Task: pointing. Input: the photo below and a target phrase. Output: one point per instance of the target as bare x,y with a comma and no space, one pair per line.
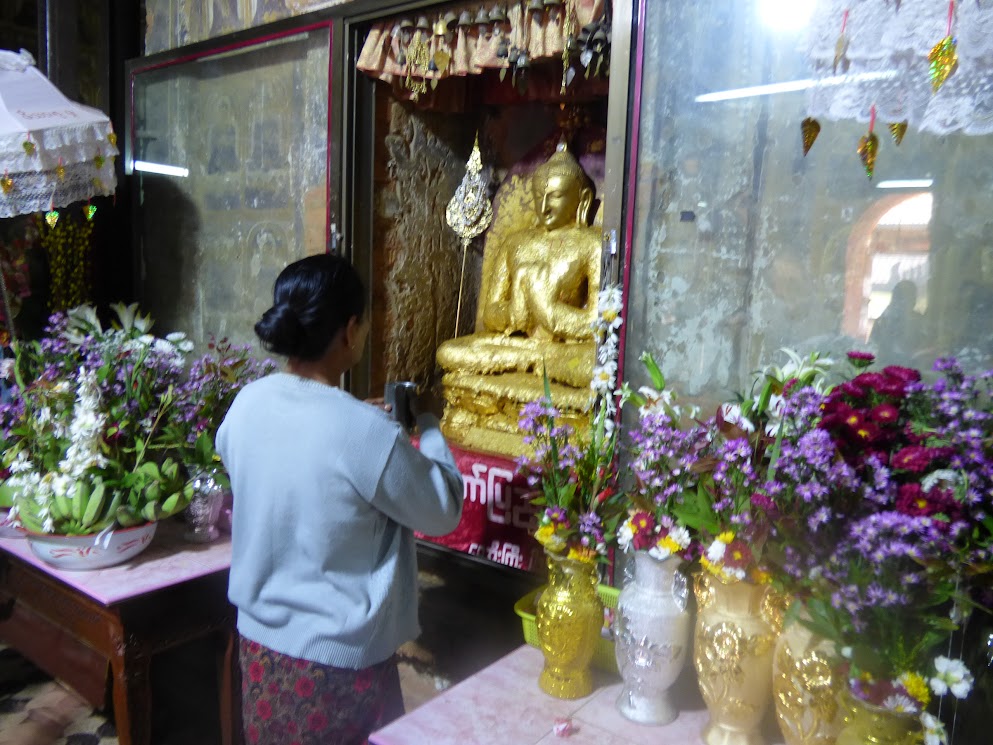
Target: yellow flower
760,576
582,553
670,544
917,687
544,533
711,567
726,537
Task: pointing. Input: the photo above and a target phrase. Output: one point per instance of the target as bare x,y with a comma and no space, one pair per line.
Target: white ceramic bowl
91,551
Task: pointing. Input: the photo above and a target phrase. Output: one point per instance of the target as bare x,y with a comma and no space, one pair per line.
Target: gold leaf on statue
809,128
898,130
943,61
868,147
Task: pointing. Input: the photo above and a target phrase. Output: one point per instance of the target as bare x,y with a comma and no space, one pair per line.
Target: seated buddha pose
537,304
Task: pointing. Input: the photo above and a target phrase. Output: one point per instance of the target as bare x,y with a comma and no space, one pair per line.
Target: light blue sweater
327,491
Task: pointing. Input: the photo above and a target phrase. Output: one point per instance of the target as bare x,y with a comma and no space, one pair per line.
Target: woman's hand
379,403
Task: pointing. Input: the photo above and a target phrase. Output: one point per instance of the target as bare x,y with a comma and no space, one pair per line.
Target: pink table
502,705
77,625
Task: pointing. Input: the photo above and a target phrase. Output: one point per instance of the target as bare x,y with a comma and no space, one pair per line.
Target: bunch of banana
85,508
154,492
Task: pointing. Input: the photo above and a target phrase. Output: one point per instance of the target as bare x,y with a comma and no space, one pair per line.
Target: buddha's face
557,204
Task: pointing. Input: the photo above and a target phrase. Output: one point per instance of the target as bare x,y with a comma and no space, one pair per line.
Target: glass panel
243,136
743,245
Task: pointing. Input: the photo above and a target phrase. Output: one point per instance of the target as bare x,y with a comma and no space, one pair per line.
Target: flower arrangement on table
91,439
203,400
576,477
697,482
883,495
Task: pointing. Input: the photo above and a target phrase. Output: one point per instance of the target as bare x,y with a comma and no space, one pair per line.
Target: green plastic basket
603,655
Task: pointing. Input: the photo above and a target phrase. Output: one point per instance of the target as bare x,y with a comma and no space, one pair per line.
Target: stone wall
742,245
174,23
252,130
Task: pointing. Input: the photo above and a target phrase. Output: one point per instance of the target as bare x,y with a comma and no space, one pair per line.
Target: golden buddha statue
537,303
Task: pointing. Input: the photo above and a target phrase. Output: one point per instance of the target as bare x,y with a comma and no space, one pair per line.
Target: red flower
253,733
254,647
644,530
903,374
304,687
914,459
866,432
256,672
912,501
737,555
852,389
605,495
363,680
885,414
317,722
263,709
870,380
861,359
764,503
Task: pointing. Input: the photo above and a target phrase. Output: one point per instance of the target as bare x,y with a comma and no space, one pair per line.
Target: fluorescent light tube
142,165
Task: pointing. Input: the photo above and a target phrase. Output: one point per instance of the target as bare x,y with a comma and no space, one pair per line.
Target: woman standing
327,493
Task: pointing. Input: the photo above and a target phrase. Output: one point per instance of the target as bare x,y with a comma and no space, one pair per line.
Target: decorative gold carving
541,274
806,693
568,618
733,659
874,725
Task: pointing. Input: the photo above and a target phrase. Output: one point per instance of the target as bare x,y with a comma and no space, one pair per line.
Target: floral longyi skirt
287,701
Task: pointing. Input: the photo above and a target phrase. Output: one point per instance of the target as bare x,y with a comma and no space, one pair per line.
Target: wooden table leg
229,678
132,695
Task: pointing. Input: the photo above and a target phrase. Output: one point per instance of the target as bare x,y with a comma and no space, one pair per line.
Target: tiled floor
467,619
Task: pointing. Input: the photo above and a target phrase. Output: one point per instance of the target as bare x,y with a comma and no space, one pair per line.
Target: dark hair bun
280,330
313,300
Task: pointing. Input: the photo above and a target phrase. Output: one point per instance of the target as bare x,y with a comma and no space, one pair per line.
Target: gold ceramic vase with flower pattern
806,687
569,616
868,724
736,631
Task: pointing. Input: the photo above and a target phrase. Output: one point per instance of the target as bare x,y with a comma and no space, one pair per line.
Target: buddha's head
562,191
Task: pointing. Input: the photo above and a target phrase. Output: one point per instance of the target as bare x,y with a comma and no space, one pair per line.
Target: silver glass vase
204,508
652,639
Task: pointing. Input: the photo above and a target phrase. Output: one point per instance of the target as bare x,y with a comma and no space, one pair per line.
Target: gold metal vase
806,687
568,617
868,724
736,631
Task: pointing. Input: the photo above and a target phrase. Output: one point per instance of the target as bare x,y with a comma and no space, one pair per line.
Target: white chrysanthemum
625,534
949,477
681,536
715,551
952,675
934,730
611,297
660,552
899,702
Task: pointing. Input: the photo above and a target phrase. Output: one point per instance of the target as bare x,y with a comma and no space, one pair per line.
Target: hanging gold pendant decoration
29,147
7,184
841,47
60,171
869,145
52,217
943,61
112,138
90,211
898,130
943,58
469,212
809,129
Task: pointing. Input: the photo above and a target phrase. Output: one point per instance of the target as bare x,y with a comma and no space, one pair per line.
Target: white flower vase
204,509
652,638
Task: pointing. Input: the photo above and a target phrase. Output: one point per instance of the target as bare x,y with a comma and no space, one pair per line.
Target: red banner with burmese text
497,519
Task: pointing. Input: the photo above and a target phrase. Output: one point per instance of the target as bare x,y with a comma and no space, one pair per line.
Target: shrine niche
521,83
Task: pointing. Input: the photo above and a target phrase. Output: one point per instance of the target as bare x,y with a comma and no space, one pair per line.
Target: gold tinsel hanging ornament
469,213
943,59
869,145
898,130
809,129
841,47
